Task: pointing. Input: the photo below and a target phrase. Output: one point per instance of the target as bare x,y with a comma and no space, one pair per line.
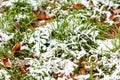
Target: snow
47,62
5,36
4,75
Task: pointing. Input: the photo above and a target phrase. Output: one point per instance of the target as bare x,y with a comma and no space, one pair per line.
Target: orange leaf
112,17
41,15
6,62
78,6
16,47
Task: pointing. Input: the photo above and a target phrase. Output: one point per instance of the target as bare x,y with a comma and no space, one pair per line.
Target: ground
59,40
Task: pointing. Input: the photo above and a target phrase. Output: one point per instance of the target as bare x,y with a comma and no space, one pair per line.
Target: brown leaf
41,15
78,6
116,11
97,62
91,5
74,75
16,47
53,6
82,71
23,70
33,27
6,62
11,78
55,75
112,17
17,25
112,32
61,75
50,16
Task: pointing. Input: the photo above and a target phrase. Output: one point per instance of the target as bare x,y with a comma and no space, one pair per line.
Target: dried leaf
23,70
112,17
82,71
11,78
61,75
41,15
116,11
74,75
17,25
97,62
91,5
6,62
50,16
16,47
55,75
78,6
53,6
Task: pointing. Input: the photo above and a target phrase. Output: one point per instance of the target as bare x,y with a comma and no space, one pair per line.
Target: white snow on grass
4,75
5,36
47,49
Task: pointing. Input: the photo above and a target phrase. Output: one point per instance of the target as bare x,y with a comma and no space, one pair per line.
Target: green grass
71,27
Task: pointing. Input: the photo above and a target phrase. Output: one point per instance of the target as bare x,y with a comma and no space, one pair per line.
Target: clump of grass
12,13
62,31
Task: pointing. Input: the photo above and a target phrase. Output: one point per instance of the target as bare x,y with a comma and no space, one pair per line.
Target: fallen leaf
23,70
91,5
11,78
50,16
74,75
6,62
55,75
17,25
82,71
78,6
61,75
112,17
97,62
16,47
53,6
41,15
116,11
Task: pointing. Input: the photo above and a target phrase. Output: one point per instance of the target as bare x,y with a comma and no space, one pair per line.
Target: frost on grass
4,75
44,68
56,51
5,36
69,37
